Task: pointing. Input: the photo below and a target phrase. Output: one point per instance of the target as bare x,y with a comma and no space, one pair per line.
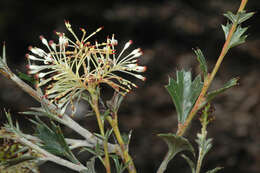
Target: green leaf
243,16
211,95
27,78
237,37
204,144
53,139
120,167
239,17
175,144
184,93
202,61
190,162
214,170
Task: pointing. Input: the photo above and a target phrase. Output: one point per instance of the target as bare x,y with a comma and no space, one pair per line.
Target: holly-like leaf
239,17
184,93
53,139
202,61
175,144
214,170
204,144
238,37
231,83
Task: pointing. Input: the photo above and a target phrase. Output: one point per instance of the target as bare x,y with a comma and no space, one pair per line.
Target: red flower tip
66,21
27,66
131,41
145,68
41,37
36,76
30,48
144,79
26,56
51,42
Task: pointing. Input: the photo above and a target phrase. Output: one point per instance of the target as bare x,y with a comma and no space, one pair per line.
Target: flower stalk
126,157
94,105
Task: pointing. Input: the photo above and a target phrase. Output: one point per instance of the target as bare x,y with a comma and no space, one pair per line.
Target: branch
65,119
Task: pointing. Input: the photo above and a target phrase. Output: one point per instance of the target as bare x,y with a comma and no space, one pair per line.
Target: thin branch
65,119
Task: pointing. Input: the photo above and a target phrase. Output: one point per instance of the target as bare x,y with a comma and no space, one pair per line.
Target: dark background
166,31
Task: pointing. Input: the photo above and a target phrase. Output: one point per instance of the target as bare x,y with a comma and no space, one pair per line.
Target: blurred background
166,31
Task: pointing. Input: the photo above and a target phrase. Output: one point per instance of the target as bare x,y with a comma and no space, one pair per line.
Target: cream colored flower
72,66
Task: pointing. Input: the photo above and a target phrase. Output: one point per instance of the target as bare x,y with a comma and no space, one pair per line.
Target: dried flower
73,66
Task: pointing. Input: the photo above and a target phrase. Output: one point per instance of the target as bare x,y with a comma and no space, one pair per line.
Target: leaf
27,78
114,103
231,83
237,37
202,61
239,17
214,170
243,16
184,93
190,162
53,139
120,167
204,144
175,144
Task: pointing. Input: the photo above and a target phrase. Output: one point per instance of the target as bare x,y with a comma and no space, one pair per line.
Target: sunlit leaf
184,93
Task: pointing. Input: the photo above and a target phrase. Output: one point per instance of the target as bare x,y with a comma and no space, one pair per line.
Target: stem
102,131
65,119
50,157
204,134
183,127
126,157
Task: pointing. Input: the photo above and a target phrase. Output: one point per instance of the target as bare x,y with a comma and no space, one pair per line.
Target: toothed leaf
184,93
231,83
53,139
202,61
175,144
238,37
239,17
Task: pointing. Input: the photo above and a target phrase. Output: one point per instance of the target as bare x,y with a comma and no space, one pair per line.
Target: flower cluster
72,66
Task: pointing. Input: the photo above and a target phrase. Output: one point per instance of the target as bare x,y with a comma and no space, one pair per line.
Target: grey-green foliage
238,37
211,95
202,61
184,92
175,144
53,139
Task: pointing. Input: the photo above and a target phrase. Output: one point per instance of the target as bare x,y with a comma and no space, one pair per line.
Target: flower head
72,66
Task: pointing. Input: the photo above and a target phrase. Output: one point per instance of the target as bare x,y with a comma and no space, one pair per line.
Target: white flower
75,65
